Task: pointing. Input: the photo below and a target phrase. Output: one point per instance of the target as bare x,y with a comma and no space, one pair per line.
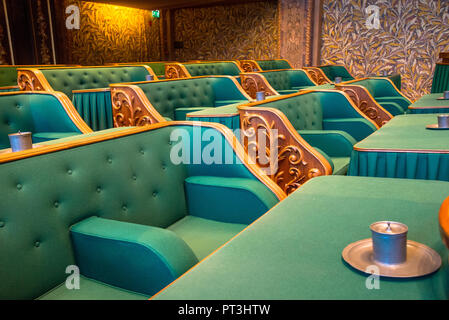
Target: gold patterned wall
109,34
412,33
224,32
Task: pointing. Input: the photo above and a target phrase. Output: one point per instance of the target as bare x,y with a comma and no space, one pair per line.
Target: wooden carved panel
445,57
249,65
317,75
175,71
253,83
366,103
270,144
128,109
28,81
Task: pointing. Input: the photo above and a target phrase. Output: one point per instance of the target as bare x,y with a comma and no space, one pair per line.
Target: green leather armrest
230,200
392,107
334,143
401,101
135,257
358,128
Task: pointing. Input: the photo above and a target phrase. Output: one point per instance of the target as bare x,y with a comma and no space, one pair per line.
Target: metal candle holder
149,77
20,141
389,242
338,80
446,95
443,121
260,95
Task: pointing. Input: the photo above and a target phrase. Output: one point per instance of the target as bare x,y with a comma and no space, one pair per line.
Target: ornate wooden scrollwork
288,161
28,81
128,110
175,71
366,104
249,65
253,83
317,75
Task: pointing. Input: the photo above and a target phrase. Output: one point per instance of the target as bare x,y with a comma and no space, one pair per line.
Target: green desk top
407,132
430,101
294,251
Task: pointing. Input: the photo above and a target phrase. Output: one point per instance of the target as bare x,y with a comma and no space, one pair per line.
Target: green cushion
335,143
181,113
273,64
333,71
441,78
68,79
341,165
136,257
204,235
213,69
285,92
91,290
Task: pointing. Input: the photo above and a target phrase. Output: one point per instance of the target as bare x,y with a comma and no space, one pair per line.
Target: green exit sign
156,14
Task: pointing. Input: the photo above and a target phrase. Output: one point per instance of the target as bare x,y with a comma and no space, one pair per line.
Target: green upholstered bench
207,68
323,125
123,209
430,103
277,82
158,101
158,67
46,115
294,251
385,93
264,65
87,87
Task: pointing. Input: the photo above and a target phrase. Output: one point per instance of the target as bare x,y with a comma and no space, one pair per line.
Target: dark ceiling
165,4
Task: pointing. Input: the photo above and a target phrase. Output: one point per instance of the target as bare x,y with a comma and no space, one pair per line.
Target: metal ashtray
443,123
392,253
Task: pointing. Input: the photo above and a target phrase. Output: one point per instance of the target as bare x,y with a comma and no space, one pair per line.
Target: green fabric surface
358,128
9,89
246,201
8,76
212,69
48,136
91,290
440,78
135,257
294,251
131,179
341,165
82,136
404,133
266,65
334,143
283,81
68,79
33,112
428,101
181,113
95,108
204,235
167,96
397,80
333,71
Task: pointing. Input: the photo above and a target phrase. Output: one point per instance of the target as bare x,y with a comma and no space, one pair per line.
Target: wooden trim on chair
294,161
256,82
32,79
444,222
249,65
130,107
365,102
9,87
445,57
378,78
176,71
317,75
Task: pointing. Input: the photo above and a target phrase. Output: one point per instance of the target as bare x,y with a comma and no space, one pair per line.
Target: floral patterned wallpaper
225,32
110,34
412,33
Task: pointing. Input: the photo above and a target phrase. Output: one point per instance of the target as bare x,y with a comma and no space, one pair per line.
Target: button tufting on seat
37,244
56,204
142,151
2,224
124,208
69,172
134,177
154,193
109,160
19,186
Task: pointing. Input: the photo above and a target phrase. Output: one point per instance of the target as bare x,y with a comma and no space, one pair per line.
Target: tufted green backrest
333,71
273,64
35,112
167,96
287,79
213,69
441,78
130,178
378,87
8,76
68,79
305,112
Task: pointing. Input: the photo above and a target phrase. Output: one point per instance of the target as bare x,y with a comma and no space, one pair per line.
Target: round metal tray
421,260
435,127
